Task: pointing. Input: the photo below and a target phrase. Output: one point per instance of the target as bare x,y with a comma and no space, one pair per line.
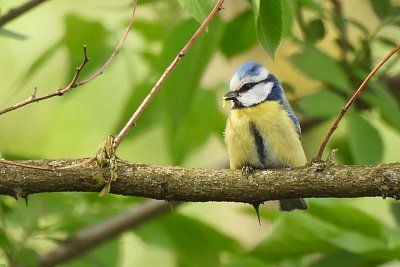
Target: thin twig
46,168
166,73
74,82
351,101
16,12
25,165
115,52
94,235
33,98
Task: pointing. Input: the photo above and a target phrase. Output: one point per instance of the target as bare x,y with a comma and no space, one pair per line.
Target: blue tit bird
262,131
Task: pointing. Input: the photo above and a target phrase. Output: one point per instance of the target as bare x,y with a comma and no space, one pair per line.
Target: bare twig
351,101
200,185
16,12
181,54
94,235
116,50
74,82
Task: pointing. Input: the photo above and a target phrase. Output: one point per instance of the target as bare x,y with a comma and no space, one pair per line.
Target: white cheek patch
255,95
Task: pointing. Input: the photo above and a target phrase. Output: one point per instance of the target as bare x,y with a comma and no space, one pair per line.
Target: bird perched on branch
262,131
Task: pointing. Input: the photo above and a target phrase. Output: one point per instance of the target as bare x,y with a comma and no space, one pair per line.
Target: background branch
94,235
74,82
200,185
16,12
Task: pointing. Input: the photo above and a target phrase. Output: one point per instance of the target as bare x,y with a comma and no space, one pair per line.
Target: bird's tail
293,204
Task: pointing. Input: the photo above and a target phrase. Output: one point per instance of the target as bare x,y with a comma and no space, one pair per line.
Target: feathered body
262,131
264,137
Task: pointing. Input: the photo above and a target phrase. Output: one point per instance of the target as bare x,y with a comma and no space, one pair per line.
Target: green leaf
107,254
387,41
295,235
381,8
79,31
365,142
321,67
327,229
348,218
152,115
25,257
179,90
198,9
150,30
322,104
395,210
385,101
287,17
243,26
194,243
311,4
315,30
269,24
203,118
247,262
343,258
11,34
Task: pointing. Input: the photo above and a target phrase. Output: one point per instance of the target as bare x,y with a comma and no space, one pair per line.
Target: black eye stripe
247,86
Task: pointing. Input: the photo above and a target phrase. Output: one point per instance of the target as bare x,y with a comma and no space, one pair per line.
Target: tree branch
351,101
94,235
124,131
74,82
16,12
201,185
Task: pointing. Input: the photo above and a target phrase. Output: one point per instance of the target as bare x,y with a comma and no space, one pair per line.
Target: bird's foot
247,170
286,166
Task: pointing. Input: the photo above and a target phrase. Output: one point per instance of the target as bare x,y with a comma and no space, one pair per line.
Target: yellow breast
281,141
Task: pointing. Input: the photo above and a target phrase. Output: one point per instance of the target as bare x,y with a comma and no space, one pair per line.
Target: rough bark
201,185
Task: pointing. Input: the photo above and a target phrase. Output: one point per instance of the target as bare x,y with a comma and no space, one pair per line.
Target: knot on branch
389,185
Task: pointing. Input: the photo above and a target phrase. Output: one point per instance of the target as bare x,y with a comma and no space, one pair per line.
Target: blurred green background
326,49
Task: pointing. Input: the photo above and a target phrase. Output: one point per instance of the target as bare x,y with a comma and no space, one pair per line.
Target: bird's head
251,85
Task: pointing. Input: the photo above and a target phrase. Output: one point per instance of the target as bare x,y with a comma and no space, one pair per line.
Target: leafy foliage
188,112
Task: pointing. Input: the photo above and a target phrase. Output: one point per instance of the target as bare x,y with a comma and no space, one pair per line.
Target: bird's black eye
246,87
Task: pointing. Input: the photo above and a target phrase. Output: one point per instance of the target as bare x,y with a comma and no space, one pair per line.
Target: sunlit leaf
365,142
269,24
287,17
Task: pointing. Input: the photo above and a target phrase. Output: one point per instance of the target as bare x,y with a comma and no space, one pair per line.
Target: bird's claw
247,169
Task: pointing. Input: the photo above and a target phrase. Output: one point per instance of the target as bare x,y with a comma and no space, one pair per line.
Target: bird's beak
230,95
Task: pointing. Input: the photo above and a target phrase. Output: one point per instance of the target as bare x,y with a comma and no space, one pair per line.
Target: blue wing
292,116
